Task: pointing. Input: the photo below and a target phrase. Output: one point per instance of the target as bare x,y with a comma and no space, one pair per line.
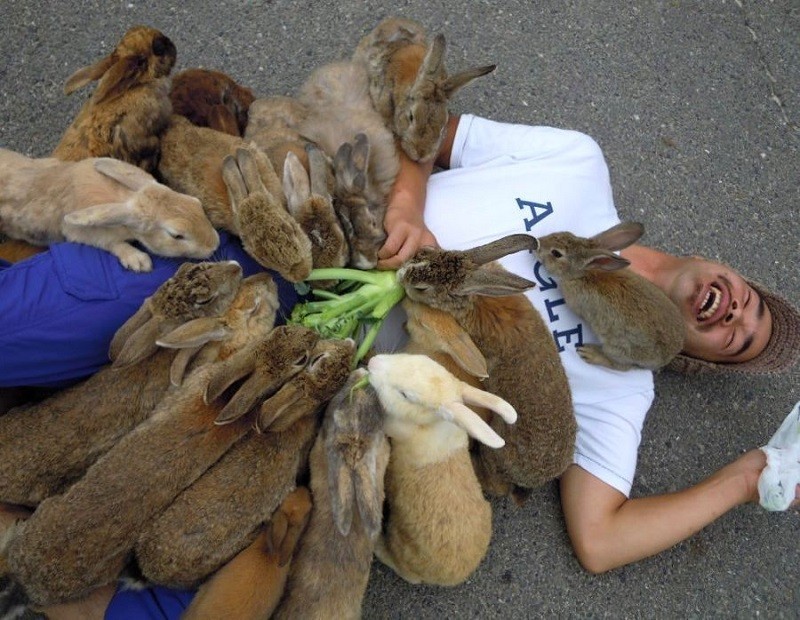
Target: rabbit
240,192
273,126
101,202
15,250
521,357
362,220
128,111
46,446
331,566
202,529
637,324
311,205
409,85
250,585
81,540
339,110
438,524
211,99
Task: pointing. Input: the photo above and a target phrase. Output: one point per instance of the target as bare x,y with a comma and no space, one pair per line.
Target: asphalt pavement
696,105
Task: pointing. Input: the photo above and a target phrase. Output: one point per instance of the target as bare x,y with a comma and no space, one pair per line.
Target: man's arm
608,530
404,222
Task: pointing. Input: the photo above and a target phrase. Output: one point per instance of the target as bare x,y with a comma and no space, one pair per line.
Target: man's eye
731,339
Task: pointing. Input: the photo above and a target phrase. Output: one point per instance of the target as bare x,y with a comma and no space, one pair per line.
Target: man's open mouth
711,303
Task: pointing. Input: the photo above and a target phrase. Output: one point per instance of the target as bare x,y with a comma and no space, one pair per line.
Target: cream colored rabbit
101,202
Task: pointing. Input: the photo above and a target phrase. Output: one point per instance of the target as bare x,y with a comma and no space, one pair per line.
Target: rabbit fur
522,360
409,85
15,250
46,446
240,192
202,529
250,585
273,126
637,324
102,202
438,524
82,539
211,99
128,111
330,569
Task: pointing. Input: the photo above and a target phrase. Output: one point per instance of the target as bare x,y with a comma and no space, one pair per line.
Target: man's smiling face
726,319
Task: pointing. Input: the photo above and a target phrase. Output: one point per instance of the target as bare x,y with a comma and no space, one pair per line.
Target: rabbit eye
556,253
203,302
410,117
302,360
317,359
177,236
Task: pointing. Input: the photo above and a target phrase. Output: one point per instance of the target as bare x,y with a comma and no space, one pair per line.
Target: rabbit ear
295,183
132,177
501,247
360,155
294,530
226,373
271,415
194,333
109,214
481,398
620,236
246,397
140,345
317,170
605,261
180,363
441,329
434,58
493,283
276,531
459,80
83,76
471,422
221,118
366,485
341,486
237,190
140,317
120,77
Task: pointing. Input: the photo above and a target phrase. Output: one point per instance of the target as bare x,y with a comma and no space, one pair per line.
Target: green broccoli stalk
355,308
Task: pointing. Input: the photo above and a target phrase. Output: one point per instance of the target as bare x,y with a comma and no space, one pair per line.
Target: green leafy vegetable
354,308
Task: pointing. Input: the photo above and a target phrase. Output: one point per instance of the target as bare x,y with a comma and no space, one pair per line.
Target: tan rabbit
331,566
46,446
102,202
438,525
240,192
202,529
521,357
273,124
250,585
14,250
130,108
211,99
637,324
311,205
81,540
409,85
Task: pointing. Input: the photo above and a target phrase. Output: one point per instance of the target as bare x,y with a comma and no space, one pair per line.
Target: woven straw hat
780,355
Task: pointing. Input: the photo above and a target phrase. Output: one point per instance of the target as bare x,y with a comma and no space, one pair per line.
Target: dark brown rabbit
128,111
637,324
211,99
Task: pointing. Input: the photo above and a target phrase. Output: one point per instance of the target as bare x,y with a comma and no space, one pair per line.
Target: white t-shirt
507,179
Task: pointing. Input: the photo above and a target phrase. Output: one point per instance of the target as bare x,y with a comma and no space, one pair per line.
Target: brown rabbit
331,566
102,202
47,446
250,585
438,524
409,85
211,99
637,324
14,250
130,108
240,192
202,528
521,357
78,541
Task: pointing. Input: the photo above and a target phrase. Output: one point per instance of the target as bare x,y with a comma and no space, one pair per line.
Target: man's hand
406,232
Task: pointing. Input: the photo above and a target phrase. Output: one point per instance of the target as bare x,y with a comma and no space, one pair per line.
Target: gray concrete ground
696,105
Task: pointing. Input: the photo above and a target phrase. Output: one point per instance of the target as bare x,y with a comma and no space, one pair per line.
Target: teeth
710,303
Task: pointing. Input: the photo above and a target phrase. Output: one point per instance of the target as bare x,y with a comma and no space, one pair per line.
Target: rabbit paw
594,354
131,258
